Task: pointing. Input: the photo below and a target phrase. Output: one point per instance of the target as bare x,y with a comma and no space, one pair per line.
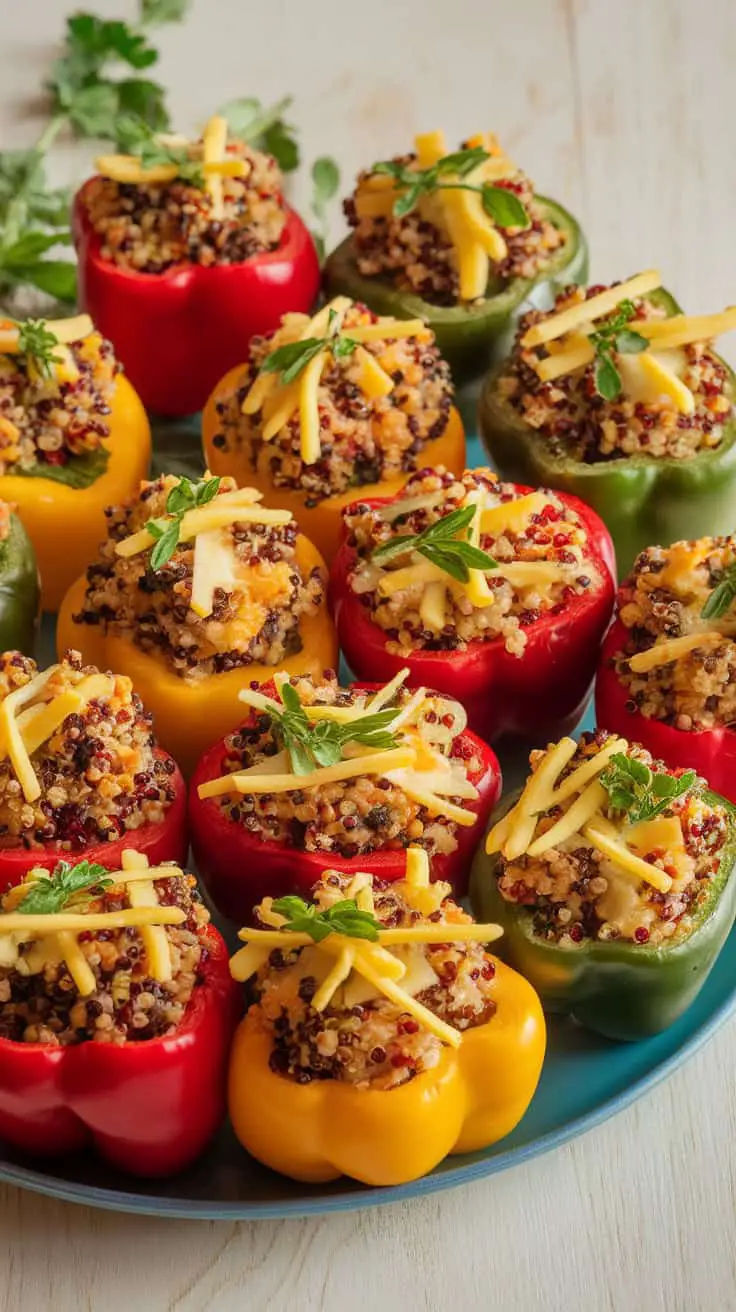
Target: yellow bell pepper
316,1132
66,524
189,717
321,523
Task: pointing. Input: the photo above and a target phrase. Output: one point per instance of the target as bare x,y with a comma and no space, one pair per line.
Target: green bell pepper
20,592
642,499
468,336
622,990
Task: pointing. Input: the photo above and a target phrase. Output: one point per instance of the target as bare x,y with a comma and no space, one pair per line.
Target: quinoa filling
150,227
361,1038
416,253
253,615
363,438
49,417
40,1002
578,892
419,607
662,599
98,772
365,813
571,415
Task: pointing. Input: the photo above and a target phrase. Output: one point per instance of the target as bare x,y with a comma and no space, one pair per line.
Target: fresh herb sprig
135,137
500,204
320,743
640,792
88,95
38,343
438,544
66,884
720,600
612,335
291,359
344,917
185,496
325,176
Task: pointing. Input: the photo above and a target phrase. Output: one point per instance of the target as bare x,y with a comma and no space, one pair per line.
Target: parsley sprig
612,335
720,600
135,137
94,81
185,496
38,343
500,204
290,360
344,917
265,128
438,544
66,884
320,743
640,792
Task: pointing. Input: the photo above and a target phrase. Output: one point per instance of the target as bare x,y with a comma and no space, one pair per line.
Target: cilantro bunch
439,544
66,885
612,335
500,204
344,917
638,791
320,743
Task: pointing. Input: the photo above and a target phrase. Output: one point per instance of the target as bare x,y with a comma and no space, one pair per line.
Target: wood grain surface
623,110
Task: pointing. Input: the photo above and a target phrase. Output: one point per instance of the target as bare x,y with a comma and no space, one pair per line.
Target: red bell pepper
167,840
239,869
712,752
148,1107
179,331
539,695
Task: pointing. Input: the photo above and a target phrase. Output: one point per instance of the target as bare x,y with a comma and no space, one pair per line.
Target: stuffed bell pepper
612,877
347,775
20,590
457,239
74,438
382,1035
80,771
186,251
667,674
488,592
116,1013
328,405
197,590
617,396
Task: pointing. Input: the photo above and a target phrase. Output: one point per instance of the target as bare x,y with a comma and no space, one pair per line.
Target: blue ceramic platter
585,1080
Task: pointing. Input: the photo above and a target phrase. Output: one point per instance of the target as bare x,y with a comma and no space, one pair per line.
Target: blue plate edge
188,1209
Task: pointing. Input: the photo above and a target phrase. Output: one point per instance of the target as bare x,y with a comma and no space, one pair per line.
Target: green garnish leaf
500,204
612,335
320,743
438,543
720,600
640,792
37,343
504,208
344,917
66,884
607,377
325,183
184,496
290,360
135,137
79,472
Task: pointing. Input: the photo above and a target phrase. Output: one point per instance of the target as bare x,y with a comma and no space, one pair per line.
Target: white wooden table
625,111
